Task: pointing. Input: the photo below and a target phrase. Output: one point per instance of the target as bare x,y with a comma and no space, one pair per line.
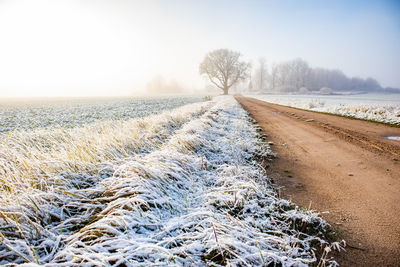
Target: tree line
297,76
224,68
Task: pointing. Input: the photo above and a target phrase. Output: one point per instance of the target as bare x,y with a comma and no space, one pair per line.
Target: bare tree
250,86
158,85
297,76
273,77
300,73
261,75
224,68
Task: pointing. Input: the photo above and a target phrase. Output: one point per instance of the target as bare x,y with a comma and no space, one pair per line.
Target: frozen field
377,107
67,113
181,188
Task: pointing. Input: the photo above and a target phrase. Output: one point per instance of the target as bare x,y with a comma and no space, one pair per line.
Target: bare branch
224,68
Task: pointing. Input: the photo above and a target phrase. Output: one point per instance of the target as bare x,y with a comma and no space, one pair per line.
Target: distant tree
158,85
325,91
155,85
297,76
372,84
273,77
261,75
224,68
300,73
304,90
250,87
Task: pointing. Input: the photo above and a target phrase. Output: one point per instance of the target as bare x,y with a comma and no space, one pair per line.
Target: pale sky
114,47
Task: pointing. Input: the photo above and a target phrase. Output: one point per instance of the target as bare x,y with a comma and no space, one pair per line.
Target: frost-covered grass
40,158
381,108
30,114
183,188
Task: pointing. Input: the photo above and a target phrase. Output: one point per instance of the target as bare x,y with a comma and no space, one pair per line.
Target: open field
342,166
376,107
29,114
183,187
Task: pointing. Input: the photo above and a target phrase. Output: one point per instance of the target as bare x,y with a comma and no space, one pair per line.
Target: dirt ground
340,166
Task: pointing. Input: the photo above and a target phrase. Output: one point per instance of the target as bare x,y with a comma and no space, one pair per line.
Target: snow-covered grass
28,114
382,108
183,188
40,158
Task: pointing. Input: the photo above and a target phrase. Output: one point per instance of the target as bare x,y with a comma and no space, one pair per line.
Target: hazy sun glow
59,48
114,47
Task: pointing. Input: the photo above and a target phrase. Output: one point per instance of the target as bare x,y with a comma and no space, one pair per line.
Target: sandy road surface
342,166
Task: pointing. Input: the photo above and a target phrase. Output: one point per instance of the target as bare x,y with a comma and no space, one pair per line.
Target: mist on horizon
121,48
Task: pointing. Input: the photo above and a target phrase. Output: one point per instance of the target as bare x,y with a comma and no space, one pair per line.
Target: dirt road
343,166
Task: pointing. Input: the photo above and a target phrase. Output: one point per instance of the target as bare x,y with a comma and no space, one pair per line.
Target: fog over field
108,48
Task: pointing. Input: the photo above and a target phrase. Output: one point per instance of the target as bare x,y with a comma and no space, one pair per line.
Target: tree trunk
226,90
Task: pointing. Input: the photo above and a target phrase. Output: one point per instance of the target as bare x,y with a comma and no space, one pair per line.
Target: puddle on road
393,137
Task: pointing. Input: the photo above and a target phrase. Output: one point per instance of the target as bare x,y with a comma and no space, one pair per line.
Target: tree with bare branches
261,75
224,68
